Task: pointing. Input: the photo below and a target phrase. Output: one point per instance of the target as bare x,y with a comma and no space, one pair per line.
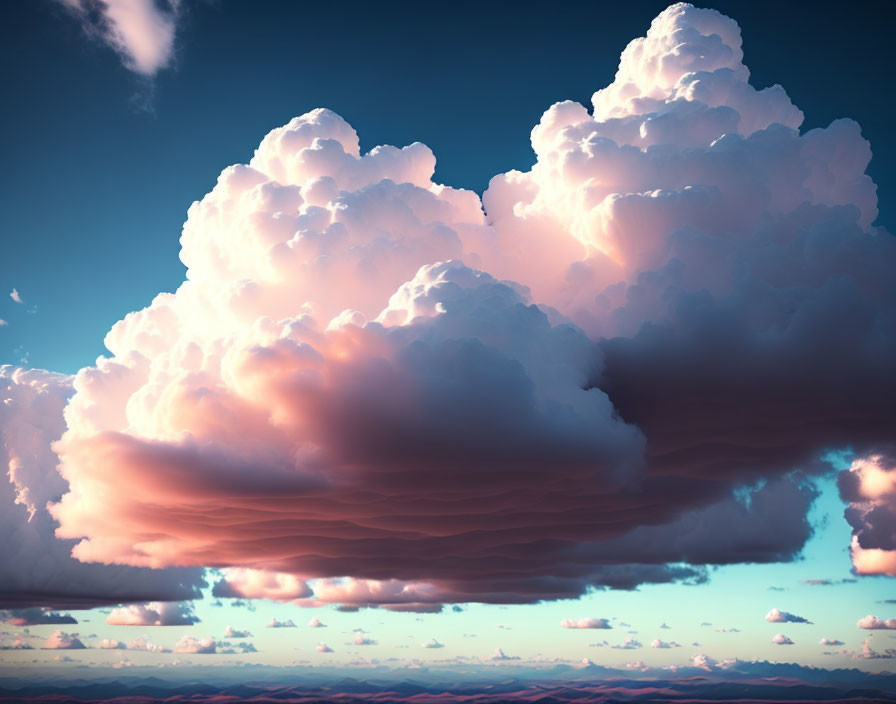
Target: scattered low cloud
189,644
231,632
781,639
585,623
274,623
873,623
58,640
778,616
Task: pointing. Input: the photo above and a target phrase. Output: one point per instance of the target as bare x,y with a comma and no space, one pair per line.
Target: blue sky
102,164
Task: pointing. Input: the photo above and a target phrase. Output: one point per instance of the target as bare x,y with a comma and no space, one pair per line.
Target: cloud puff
433,644
274,623
58,640
144,643
16,296
634,345
31,418
657,643
778,616
323,648
189,644
781,639
585,623
140,31
873,623
34,616
499,654
111,644
869,486
156,613
830,641
315,622
630,643
231,632
361,639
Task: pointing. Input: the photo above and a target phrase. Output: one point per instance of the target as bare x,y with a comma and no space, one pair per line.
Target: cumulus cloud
315,622
778,616
433,644
873,623
499,654
830,641
31,418
189,644
156,613
781,639
17,643
143,643
16,296
657,643
111,644
869,653
140,31
274,623
634,345
869,486
58,640
630,643
361,639
585,623
231,632
34,616
323,648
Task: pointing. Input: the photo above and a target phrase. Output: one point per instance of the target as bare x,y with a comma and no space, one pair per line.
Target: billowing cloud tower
408,396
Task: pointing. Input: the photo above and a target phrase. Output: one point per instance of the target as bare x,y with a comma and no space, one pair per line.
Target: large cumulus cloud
372,391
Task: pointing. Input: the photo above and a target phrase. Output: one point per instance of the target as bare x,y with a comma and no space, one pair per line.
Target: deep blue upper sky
95,189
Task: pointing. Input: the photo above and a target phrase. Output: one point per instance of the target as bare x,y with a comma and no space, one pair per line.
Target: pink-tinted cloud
873,623
189,644
274,623
586,622
31,418
231,632
140,31
153,614
869,486
58,640
781,639
778,616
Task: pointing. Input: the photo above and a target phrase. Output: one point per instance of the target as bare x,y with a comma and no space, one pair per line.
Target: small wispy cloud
140,31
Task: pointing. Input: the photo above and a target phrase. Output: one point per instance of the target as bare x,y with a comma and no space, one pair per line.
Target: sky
608,381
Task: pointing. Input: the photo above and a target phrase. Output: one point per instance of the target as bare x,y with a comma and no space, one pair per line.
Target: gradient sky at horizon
102,165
